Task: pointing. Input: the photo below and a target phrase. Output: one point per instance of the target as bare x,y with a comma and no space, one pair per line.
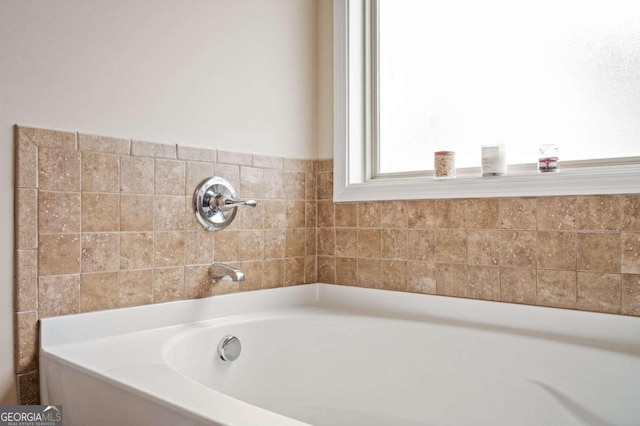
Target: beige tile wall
104,223
579,252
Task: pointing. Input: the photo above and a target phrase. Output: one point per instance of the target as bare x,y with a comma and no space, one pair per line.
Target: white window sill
606,180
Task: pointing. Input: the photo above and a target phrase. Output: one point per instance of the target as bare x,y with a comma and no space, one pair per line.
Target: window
413,77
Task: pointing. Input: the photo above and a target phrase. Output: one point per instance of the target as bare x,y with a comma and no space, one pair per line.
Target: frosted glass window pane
458,74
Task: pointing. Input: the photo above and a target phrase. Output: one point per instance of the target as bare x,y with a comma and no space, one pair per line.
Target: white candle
494,160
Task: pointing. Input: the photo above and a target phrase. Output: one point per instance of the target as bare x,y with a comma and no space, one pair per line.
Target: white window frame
354,130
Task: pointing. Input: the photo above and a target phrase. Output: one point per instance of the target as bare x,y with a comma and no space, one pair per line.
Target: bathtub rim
604,327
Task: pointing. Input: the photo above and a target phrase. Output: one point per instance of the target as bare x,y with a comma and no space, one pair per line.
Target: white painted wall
325,79
238,75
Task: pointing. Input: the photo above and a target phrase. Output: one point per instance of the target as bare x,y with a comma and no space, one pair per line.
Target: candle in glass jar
444,164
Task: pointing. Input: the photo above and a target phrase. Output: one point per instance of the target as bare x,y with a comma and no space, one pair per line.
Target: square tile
518,285
556,213
58,170
169,249
134,214
274,243
251,244
170,177
195,173
98,291
556,250
251,183
226,246
599,212
346,215
168,284
483,282
169,213
557,289
58,212
197,283
451,214
369,273
100,172
59,254
517,213
451,246
421,245
599,252
599,292
483,247
136,250
394,243
135,288
369,243
518,249
58,295
136,175
100,252
483,213
198,247
421,214
100,212
451,280
252,275
368,215
393,275
421,277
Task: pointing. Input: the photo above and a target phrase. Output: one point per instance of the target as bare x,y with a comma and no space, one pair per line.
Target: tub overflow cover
229,348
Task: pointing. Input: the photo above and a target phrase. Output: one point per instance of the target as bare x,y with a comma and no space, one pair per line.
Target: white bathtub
330,355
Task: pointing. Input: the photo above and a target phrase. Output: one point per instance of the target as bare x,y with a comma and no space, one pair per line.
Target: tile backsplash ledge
113,227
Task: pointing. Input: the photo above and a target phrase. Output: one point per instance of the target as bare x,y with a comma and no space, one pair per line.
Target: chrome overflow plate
215,203
229,348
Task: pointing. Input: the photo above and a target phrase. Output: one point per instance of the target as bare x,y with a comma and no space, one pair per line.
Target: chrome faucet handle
215,204
226,203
